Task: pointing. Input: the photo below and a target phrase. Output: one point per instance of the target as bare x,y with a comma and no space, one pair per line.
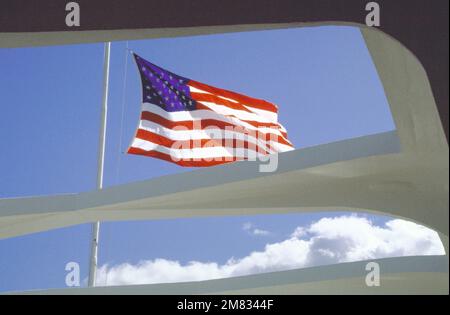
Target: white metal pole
101,160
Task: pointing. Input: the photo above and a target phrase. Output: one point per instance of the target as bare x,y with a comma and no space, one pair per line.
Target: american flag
194,124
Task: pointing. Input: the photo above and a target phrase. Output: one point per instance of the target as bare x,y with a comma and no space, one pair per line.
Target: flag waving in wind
193,124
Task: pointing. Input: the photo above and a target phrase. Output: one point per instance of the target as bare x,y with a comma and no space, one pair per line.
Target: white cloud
260,232
251,229
327,241
299,232
247,226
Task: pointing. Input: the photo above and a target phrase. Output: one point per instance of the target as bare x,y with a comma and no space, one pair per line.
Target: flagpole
100,165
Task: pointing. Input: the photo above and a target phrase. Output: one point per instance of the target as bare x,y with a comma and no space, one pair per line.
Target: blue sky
322,79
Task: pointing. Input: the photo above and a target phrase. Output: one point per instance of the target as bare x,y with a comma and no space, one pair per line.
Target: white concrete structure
405,275
404,173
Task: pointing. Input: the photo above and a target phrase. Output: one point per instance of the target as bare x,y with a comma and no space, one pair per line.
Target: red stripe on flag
202,97
243,99
200,143
209,123
204,124
182,162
